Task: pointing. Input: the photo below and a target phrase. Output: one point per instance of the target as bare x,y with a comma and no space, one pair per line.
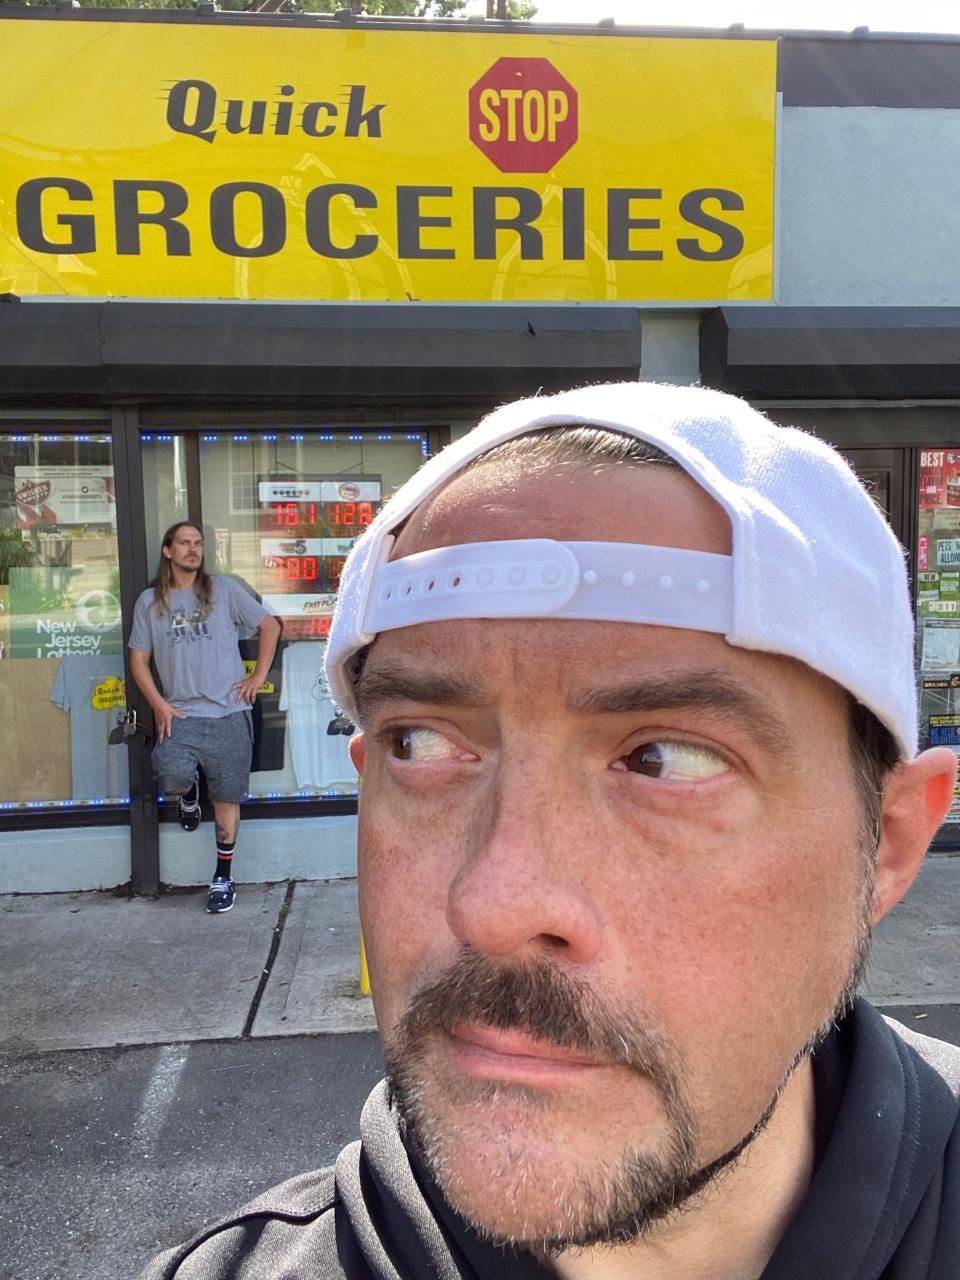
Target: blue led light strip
64,804
293,437
39,438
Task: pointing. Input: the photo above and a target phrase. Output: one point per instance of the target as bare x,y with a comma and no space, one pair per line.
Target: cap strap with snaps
539,578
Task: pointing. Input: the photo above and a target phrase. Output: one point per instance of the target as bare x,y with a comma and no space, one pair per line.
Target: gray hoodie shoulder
288,1232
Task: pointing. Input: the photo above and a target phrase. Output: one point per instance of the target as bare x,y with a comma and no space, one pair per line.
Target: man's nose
523,885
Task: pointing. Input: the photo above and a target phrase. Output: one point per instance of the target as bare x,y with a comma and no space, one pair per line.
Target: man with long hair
187,622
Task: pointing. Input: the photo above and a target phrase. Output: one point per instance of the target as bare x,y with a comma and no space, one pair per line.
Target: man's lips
486,1053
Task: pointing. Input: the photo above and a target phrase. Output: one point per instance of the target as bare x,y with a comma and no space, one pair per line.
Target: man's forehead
642,503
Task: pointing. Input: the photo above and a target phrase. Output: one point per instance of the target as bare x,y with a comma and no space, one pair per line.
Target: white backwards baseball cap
815,572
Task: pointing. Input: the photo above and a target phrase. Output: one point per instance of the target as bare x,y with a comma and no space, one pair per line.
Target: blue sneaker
222,895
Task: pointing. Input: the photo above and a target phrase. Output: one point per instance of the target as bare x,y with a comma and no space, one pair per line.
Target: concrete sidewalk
90,970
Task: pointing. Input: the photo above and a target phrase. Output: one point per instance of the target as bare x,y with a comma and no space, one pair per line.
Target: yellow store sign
189,160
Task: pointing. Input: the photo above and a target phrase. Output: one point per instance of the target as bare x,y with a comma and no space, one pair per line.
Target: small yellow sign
167,160
108,694
250,667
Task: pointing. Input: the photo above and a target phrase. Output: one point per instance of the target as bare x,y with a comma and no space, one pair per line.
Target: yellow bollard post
364,975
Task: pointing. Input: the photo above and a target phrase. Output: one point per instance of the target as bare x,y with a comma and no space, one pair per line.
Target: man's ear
358,752
915,801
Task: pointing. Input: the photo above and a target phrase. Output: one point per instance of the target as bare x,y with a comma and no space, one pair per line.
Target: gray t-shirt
90,689
196,655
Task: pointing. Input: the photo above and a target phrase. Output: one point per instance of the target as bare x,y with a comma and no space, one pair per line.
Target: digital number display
288,515
299,573
296,568
306,628
306,526
317,515
349,515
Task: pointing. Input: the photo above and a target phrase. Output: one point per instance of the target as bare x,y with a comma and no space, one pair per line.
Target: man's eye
420,744
674,761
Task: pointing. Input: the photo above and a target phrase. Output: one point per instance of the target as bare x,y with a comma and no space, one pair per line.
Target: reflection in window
61,656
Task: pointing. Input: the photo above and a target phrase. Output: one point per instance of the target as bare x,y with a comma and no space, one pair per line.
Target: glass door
881,471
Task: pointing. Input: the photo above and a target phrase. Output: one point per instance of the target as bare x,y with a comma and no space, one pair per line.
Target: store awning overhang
876,352
290,351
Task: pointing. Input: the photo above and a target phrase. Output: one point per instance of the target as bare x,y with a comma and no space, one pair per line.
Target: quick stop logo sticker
524,115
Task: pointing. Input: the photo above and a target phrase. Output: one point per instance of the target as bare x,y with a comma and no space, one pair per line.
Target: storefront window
281,510
61,657
938,608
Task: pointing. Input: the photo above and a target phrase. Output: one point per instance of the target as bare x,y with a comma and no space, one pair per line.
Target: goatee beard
616,1204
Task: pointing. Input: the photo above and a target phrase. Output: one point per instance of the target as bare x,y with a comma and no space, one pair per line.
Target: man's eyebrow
399,684
709,692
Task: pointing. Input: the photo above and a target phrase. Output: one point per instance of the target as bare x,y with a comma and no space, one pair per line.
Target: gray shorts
221,747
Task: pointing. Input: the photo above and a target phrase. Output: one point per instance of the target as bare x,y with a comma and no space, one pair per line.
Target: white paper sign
948,552
64,495
940,649
301,606
294,490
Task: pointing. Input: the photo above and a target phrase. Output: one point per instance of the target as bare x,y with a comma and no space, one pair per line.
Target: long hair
163,579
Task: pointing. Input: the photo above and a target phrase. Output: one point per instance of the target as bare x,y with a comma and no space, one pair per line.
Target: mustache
545,1002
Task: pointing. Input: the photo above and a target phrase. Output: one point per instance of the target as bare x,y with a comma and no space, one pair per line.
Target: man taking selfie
633,672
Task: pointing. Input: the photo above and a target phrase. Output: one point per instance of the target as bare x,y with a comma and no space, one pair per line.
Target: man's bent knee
174,786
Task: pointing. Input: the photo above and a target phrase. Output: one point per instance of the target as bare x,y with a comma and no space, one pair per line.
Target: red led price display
297,568
334,515
287,515
306,525
299,573
349,515
306,628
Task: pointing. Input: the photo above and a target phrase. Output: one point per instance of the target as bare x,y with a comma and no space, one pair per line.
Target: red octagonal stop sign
523,115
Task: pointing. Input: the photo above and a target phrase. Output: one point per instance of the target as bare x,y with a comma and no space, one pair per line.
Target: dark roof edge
920,73
774,353
273,351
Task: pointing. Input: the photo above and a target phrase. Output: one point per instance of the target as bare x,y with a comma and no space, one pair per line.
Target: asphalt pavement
110,1155
159,1066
